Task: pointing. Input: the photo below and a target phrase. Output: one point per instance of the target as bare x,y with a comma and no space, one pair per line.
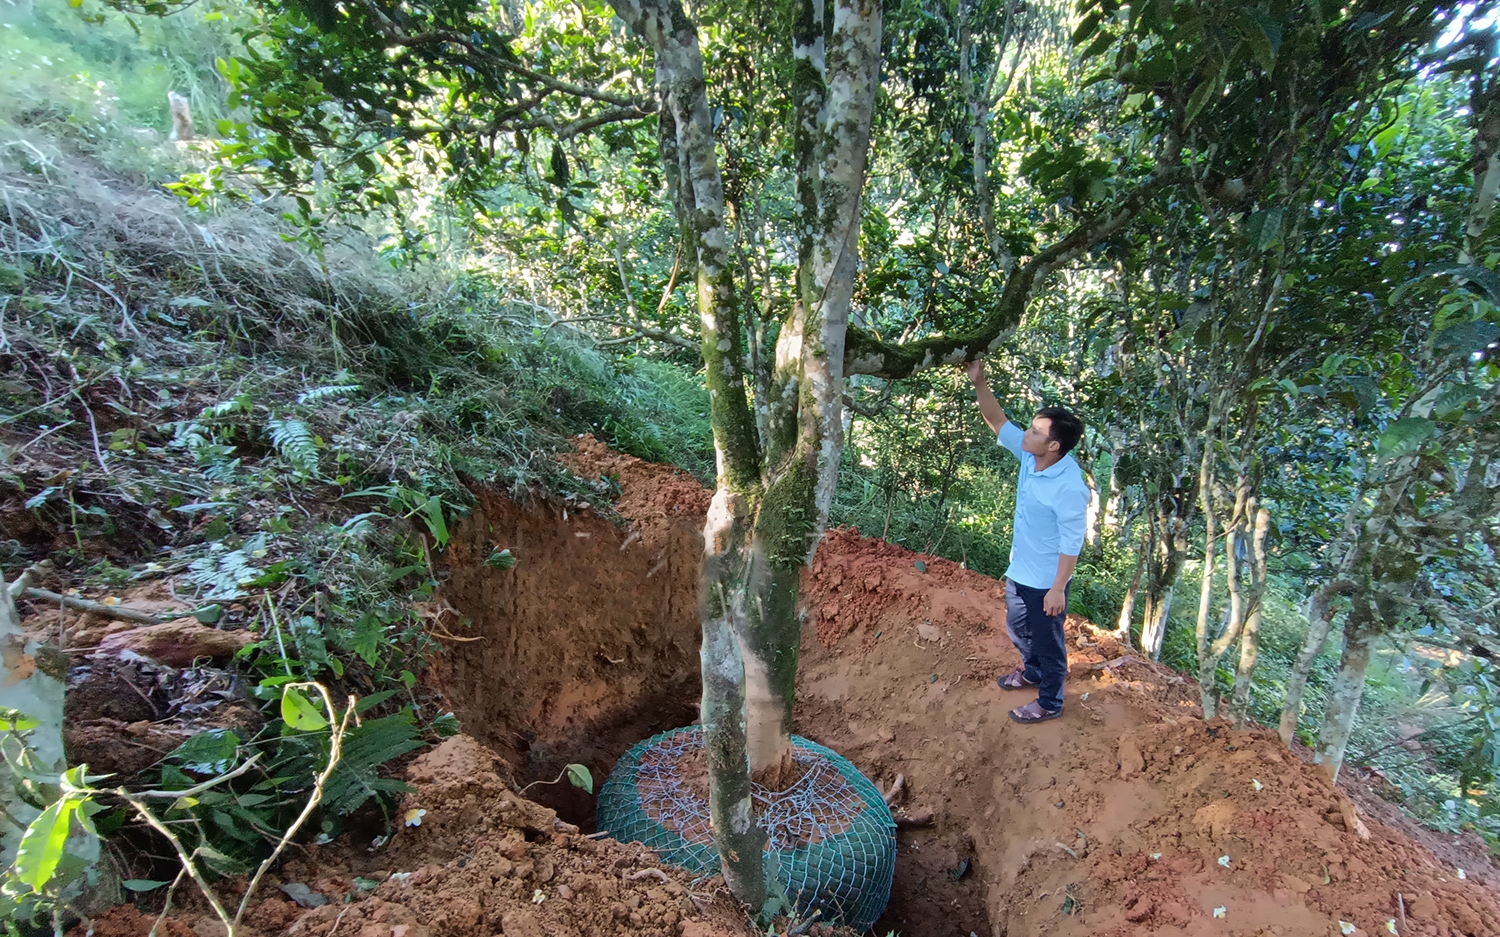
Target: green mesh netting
832,841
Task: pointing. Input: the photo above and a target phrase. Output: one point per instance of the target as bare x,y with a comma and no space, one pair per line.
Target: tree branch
866,354
643,331
584,124
490,55
99,608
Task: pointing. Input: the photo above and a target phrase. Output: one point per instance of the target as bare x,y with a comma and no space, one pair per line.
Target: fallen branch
1112,664
338,728
121,612
33,572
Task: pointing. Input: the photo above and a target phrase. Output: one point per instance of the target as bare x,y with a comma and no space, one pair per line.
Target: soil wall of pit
588,644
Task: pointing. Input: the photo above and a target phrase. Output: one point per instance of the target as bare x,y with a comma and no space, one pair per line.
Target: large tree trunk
767,515
692,168
724,712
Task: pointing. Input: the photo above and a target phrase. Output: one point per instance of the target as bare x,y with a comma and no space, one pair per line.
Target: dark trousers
1039,638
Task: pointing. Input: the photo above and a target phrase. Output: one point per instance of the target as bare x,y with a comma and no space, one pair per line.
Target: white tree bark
31,682
1345,695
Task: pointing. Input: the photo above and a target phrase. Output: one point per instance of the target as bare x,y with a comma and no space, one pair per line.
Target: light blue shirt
1051,511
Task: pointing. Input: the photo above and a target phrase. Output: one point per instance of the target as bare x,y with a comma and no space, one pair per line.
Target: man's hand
1055,602
975,370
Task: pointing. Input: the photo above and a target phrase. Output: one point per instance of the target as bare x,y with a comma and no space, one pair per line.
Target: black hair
1066,429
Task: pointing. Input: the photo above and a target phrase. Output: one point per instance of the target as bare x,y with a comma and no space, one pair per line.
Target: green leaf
559,162
1265,39
500,559
1385,139
298,713
13,720
369,632
1467,337
143,884
446,725
433,509
1264,227
209,614
1454,400
1487,280
1103,41
1086,28
367,703
1405,436
1199,98
42,844
581,778
210,752
295,441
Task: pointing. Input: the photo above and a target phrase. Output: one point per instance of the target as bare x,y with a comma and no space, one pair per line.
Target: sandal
1015,680
1033,712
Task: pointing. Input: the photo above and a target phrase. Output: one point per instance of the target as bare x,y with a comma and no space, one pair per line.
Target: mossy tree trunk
772,499
697,190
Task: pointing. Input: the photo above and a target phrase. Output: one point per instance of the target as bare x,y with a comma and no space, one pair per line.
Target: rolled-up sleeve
1010,437
1072,517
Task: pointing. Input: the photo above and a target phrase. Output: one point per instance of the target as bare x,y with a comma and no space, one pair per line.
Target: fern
295,441
239,403
366,748
318,394
223,572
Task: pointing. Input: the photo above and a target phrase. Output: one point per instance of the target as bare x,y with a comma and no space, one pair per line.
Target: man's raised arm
989,407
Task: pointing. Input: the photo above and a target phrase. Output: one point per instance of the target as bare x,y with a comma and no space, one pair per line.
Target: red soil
1128,816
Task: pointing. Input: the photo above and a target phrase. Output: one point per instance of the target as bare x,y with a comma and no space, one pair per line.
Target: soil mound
472,858
1129,816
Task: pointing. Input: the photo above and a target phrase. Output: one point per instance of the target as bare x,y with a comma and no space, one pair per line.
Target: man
1051,504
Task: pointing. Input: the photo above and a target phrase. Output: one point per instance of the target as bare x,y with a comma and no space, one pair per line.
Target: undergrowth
285,437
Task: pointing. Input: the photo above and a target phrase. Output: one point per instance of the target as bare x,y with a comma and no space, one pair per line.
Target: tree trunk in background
1348,688
1208,665
1154,621
1114,505
1091,522
1320,613
1169,548
1127,607
980,99
1239,703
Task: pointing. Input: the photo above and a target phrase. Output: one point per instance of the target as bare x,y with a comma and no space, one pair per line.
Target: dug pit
1129,816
